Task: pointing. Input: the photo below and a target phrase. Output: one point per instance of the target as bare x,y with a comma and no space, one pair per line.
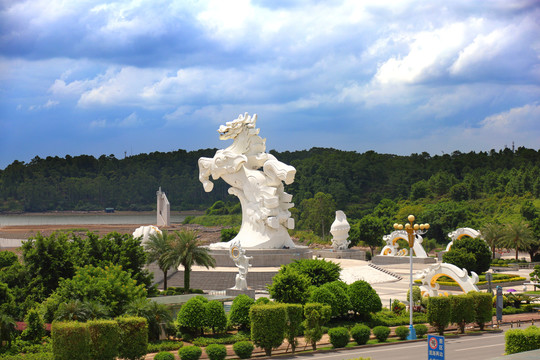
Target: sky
396,77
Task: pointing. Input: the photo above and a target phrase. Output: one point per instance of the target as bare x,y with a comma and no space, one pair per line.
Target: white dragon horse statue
392,247
429,277
265,204
460,233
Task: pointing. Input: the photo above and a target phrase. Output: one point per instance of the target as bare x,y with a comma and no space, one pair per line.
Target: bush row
517,340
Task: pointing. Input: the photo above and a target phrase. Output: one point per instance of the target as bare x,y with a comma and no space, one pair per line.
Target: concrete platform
390,260
264,257
340,254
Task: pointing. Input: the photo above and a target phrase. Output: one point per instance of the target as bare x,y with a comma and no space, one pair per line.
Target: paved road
480,347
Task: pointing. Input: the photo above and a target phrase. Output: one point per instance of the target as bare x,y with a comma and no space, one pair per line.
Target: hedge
517,340
439,313
295,315
216,351
71,340
104,336
381,333
462,310
239,313
164,346
243,349
483,306
420,330
402,331
316,316
190,352
133,337
192,315
164,355
361,333
364,298
268,323
339,337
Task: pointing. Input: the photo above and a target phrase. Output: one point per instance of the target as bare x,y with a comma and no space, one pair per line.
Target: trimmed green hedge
104,336
421,330
439,313
517,340
243,349
316,316
133,337
339,337
381,333
164,355
463,310
268,323
164,346
239,313
71,340
483,308
216,351
295,315
402,332
361,333
190,353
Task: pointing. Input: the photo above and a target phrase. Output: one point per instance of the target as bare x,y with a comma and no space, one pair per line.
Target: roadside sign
435,347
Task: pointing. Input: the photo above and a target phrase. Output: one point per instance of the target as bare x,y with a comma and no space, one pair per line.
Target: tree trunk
164,279
187,271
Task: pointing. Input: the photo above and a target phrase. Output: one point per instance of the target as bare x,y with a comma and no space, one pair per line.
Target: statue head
232,129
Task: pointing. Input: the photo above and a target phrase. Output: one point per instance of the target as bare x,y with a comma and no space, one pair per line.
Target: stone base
388,260
340,254
263,257
235,292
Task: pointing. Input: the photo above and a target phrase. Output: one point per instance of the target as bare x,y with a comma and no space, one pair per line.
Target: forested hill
356,181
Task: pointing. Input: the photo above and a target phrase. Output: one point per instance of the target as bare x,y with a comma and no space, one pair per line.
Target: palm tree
492,234
7,328
96,310
517,236
186,252
157,315
72,310
158,248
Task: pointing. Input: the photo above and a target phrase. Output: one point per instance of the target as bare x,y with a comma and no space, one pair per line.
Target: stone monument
163,209
256,178
340,231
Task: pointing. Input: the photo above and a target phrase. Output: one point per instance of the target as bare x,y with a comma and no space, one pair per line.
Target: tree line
357,181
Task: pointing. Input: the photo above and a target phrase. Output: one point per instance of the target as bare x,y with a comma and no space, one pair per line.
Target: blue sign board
435,347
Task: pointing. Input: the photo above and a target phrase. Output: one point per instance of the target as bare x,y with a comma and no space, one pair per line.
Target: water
84,219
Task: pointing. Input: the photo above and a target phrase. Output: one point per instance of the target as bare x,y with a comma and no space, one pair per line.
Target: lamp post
412,230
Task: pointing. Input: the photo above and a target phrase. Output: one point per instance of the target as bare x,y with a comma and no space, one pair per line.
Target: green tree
318,213
492,234
517,236
463,310
364,299
7,328
316,316
35,329
187,252
158,248
371,230
268,325
318,271
471,254
215,316
239,314
294,320
289,286
156,315
192,315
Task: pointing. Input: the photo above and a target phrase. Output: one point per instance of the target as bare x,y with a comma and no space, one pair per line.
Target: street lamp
412,230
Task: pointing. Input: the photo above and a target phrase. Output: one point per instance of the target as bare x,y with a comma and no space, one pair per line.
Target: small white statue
144,232
340,231
163,209
238,255
256,178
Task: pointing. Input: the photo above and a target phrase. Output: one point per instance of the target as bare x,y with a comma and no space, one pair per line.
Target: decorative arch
429,278
460,233
392,247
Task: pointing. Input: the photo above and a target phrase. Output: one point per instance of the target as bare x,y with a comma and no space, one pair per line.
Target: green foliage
294,321
439,313
7,258
483,308
215,316
318,271
289,286
535,274
111,286
462,310
133,337
36,356
323,295
471,254
35,329
223,339
159,248
316,316
381,333
157,315
268,324
420,330
361,333
389,318
216,351
71,341
262,301
190,353
364,299
517,236
517,340
164,346
104,335
402,332
339,337
7,328
318,213
164,355
341,303
192,315
239,313
398,307
370,230
228,234
416,294
243,349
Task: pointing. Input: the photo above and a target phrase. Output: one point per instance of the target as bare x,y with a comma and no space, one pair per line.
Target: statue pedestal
388,260
263,257
341,254
235,292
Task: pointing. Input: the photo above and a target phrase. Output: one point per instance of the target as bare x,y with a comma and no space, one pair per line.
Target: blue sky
104,77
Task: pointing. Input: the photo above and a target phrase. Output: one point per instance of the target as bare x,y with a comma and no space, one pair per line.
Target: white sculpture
392,246
145,231
163,209
429,277
238,255
340,231
462,232
265,204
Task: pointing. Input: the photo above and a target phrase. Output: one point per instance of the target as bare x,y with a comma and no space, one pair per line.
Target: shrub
243,349
364,299
164,346
104,336
398,307
133,337
462,310
294,320
402,331
421,330
316,316
339,337
381,333
190,352
483,308
360,333
216,351
215,316
71,340
268,324
34,330
318,271
471,254
228,234
341,304
262,301
191,315
323,295
416,294
289,286
517,340
439,313
164,355
239,313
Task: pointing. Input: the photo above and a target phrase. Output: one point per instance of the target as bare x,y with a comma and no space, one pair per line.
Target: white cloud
525,119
